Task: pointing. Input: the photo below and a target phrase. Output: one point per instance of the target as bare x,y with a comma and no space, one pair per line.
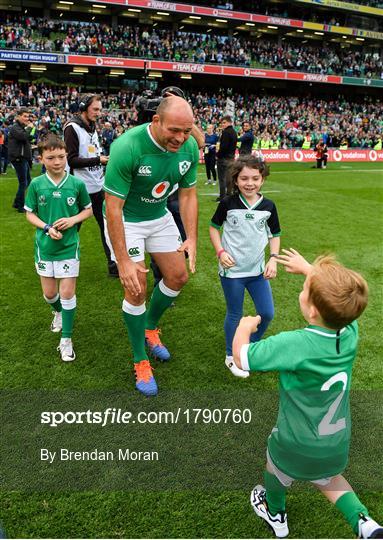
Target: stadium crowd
283,121
140,41
259,6
291,10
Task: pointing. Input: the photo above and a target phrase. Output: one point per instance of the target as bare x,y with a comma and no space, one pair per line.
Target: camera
147,101
146,105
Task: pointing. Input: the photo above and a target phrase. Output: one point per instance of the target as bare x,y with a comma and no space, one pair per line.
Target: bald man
146,165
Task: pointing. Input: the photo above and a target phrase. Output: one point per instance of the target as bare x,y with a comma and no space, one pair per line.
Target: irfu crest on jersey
184,167
261,224
71,201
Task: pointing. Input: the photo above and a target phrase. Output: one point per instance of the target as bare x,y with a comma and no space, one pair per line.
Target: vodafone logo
160,189
337,155
298,155
246,72
99,61
373,155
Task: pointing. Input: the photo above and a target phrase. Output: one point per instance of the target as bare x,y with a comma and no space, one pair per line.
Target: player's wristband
274,255
46,228
220,252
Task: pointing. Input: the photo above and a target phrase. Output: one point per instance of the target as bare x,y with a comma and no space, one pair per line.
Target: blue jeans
234,290
24,178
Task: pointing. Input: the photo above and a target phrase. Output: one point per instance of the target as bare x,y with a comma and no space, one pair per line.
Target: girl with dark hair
250,223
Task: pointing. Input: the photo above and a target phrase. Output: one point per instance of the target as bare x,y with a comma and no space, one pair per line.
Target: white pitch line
328,170
211,194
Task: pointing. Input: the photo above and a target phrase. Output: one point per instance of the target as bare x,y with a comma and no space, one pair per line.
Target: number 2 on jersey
325,426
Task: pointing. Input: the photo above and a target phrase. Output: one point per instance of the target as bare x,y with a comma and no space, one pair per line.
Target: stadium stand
282,114
160,43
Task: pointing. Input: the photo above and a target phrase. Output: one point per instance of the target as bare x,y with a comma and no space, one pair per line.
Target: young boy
56,202
312,436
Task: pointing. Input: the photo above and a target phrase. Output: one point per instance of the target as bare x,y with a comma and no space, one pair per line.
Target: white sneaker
278,523
368,528
66,350
229,361
214,183
207,183
57,323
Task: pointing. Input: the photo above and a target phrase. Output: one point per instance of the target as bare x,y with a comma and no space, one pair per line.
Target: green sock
351,507
135,319
162,298
68,313
55,302
275,494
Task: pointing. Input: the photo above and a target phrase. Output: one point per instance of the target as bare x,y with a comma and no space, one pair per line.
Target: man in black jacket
86,160
225,154
20,154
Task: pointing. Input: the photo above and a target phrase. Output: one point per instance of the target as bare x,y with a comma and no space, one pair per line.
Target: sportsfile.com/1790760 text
113,416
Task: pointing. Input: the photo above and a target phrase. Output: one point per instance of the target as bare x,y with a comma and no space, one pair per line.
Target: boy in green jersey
312,436
55,204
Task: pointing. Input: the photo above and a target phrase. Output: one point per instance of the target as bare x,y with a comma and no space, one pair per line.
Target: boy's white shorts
67,268
154,236
287,480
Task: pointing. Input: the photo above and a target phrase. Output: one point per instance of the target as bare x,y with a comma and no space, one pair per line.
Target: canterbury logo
145,170
249,216
134,251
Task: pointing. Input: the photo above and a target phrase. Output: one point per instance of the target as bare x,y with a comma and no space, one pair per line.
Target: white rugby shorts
154,236
67,268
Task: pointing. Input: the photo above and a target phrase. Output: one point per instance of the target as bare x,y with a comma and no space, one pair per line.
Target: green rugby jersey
144,174
51,201
312,436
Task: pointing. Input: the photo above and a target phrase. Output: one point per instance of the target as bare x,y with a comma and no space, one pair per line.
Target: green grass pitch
335,210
